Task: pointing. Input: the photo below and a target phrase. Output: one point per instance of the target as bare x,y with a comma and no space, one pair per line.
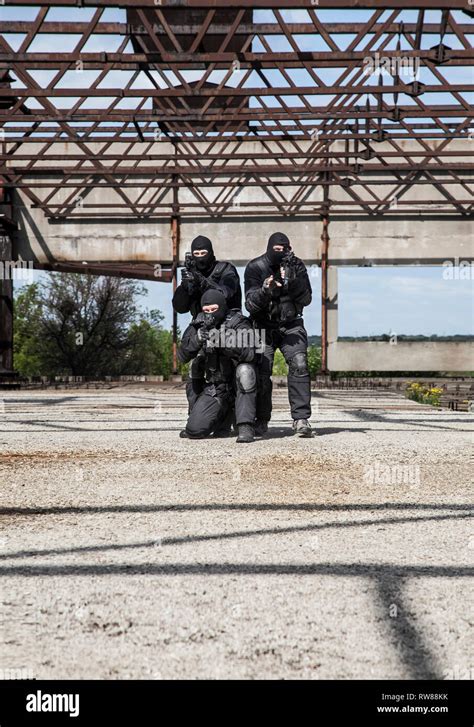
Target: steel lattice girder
270,4
244,129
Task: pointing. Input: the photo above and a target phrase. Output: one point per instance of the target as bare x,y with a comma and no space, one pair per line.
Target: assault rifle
288,264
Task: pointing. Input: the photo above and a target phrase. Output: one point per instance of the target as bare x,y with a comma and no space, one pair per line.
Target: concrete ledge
402,356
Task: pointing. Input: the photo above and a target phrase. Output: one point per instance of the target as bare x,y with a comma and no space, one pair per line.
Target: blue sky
312,42
371,300
380,300
416,300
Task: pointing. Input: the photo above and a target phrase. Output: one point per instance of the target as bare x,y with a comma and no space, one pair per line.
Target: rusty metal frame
283,118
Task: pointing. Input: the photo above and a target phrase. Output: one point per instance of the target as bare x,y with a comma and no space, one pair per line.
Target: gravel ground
127,552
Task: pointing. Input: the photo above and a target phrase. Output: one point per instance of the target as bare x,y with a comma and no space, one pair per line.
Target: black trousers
211,405
291,339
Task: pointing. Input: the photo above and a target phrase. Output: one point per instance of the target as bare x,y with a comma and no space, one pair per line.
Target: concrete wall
402,356
353,241
74,240
400,241
428,234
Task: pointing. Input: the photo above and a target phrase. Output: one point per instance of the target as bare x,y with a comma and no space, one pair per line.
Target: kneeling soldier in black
204,272
225,341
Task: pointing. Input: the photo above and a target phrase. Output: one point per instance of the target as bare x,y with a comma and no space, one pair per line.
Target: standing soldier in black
277,288
224,340
205,273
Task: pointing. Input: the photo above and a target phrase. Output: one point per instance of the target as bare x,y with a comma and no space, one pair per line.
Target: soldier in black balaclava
224,340
206,273
277,288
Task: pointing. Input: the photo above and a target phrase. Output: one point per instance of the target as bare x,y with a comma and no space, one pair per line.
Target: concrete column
6,304
332,314
324,293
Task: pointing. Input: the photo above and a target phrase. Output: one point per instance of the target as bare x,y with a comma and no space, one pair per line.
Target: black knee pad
298,365
246,378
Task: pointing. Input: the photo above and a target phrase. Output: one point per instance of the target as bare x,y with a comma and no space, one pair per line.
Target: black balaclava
213,297
278,238
205,263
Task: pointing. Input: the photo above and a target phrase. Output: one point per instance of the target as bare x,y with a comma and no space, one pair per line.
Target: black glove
270,284
295,284
200,280
202,334
187,278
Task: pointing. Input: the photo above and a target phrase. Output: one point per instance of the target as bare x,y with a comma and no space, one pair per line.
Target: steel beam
255,4
165,40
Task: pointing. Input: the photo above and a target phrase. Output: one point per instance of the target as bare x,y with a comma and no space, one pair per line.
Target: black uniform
209,274
278,312
229,374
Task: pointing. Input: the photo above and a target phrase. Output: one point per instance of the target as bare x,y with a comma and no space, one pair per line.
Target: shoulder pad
219,268
234,318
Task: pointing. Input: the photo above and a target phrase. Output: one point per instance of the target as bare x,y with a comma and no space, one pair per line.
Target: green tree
279,364
87,321
89,326
314,362
28,344
151,347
